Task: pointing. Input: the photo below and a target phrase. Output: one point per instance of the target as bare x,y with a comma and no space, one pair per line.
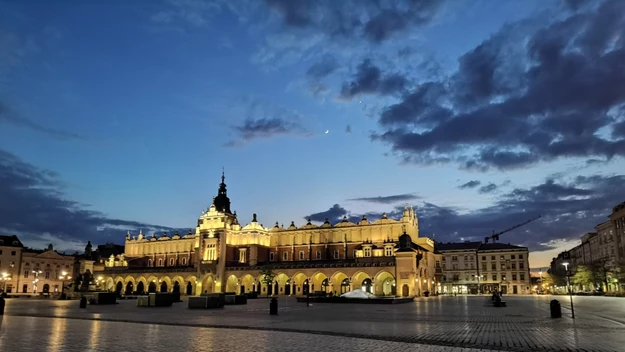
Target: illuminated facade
385,257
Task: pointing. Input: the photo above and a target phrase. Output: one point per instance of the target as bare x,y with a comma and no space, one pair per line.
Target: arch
131,280
358,280
119,287
165,279
385,284
208,284
163,286
140,288
284,284
192,280
318,279
339,283
232,284
247,283
189,288
297,284
177,284
109,283
129,288
152,287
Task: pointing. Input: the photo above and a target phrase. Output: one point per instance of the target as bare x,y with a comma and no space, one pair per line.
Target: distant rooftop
10,241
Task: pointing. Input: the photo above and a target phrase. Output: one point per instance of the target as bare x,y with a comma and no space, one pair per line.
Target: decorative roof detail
292,226
326,224
364,221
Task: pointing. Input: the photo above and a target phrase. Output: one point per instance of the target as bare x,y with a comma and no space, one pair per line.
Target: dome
405,242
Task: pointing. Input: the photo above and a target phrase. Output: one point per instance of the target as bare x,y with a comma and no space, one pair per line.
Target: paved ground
469,322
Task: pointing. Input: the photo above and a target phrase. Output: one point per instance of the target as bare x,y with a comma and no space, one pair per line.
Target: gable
51,255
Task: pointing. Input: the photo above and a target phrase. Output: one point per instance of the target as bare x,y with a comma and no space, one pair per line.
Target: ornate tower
222,202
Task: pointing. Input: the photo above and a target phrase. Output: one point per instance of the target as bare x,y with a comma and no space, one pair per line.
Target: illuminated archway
247,283
319,282
284,284
232,284
362,280
340,283
385,284
299,284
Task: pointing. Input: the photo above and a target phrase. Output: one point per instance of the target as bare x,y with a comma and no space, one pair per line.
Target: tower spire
223,175
222,202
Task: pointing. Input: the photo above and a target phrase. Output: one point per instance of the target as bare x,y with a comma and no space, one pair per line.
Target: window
466,258
336,254
285,256
494,277
318,255
483,266
25,274
47,274
453,257
513,277
520,256
455,266
171,262
512,256
367,251
493,266
522,276
388,251
160,262
521,265
12,252
466,278
438,263
483,257
271,257
301,255
25,288
149,262
514,266
242,257
471,265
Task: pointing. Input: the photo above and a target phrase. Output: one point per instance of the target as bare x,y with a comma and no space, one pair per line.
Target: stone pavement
26,334
469,322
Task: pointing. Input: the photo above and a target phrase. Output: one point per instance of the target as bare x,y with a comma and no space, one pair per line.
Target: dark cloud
10,115
568,210
33,206
373,21
265,128
323,68
470,184
491,187
574,4
368,79
334,213
348,129
388,199
510,105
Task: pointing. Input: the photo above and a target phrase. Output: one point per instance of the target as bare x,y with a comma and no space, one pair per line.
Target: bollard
556,310
273,306
83,302
2,302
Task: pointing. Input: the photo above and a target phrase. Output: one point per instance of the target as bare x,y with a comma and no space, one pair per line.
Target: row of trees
601,274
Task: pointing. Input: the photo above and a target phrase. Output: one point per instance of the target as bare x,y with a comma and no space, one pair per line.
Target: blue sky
136,106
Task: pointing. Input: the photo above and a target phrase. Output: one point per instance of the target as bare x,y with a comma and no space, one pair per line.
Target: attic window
15,243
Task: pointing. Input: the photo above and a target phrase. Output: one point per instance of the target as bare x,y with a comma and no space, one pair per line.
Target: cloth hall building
385,257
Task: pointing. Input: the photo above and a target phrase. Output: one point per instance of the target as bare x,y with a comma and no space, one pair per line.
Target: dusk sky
119,115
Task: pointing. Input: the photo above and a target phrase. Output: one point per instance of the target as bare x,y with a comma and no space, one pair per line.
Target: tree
267,277
583,276
601,270
546,281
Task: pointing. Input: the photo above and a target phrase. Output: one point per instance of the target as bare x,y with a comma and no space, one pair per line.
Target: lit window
336,254
318,255
271,257
171,262
301,255
149,262
160,262
184,261
285,256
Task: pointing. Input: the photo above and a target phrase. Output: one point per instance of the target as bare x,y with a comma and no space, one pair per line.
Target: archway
339,283
46,288
163,286
232,283
385,284
300,284
208,284
119,287
140,288
152,287
281,280
318,280
247,283
176,287
129,287
366,285
362,280
189,288
109,284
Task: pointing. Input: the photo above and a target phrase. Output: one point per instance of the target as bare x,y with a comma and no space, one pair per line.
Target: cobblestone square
434,324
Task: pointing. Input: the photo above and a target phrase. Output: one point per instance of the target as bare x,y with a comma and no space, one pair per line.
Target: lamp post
568,284
64,277
36,272
540,273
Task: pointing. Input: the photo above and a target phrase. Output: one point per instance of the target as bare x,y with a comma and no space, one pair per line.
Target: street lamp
540,273
64,277
36,272
568,284
5,277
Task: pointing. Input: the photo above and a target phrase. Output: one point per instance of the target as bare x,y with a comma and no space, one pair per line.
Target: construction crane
495,236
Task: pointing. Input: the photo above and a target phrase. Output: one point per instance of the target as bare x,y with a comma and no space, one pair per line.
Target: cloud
569,208
264,120
335,212
368,79
470,184
509,105
374,22
387,199
489,188
323,68
34,207
9,115
348,129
